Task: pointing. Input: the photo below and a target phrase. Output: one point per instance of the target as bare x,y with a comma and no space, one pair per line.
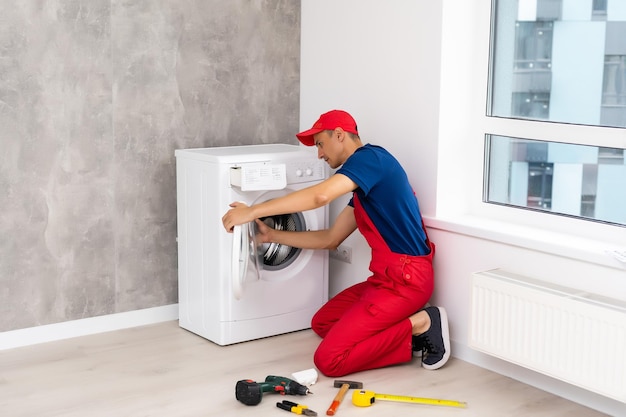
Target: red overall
366,326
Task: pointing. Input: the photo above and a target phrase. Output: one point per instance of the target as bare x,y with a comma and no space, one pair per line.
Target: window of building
555,62
599,8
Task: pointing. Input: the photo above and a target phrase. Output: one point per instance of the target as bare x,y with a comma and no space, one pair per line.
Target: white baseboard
74,328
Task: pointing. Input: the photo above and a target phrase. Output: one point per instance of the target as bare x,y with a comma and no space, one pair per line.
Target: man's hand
240,213
263,234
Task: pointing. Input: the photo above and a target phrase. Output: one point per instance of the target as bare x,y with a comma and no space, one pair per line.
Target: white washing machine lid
245,263
247,153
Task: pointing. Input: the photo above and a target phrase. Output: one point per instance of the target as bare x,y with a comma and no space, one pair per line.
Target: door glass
253,270
276,256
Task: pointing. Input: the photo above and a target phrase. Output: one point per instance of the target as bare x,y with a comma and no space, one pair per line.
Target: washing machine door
245,258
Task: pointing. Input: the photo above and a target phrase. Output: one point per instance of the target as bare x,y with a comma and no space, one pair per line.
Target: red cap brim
306,137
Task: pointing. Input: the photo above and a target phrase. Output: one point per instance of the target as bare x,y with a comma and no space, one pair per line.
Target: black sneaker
436,340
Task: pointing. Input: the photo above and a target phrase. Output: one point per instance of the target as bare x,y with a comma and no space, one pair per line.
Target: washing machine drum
274,256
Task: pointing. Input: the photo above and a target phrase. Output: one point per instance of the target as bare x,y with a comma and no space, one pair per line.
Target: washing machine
232,288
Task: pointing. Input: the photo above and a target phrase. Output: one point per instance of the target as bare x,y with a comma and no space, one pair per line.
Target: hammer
343,386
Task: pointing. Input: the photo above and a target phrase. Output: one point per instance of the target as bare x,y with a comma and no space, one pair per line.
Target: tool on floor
343,386
251,392
364,398
296,408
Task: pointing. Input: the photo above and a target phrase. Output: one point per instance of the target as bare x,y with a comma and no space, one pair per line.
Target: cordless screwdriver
251,392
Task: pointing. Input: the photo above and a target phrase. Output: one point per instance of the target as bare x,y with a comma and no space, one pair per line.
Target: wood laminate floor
163,370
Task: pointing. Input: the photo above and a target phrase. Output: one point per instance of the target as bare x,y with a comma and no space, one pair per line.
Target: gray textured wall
95,96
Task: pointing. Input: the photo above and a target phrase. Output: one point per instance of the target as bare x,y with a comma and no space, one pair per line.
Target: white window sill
561,244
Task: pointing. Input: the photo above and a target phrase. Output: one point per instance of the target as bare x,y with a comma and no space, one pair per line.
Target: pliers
296,408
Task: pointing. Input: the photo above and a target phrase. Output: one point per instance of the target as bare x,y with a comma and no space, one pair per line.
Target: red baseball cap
328,121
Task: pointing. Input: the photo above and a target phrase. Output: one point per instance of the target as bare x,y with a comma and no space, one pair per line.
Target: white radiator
579,338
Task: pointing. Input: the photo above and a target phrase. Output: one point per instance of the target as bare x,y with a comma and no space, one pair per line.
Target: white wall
380,62
413,73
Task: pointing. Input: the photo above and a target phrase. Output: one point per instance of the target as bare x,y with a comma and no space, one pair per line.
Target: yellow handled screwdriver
362,398
296,408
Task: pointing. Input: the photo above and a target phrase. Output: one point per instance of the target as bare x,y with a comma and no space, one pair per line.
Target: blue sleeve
364,167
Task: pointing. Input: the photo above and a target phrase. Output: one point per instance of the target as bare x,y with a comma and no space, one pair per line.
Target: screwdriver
296,408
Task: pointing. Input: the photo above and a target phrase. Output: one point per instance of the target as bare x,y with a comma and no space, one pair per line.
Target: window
614,91
576,180
562,62
599,9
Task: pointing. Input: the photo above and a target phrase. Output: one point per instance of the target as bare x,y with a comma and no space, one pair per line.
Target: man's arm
344,225
306,199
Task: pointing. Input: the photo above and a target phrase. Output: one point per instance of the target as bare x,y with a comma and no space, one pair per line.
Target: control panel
305,170
276,175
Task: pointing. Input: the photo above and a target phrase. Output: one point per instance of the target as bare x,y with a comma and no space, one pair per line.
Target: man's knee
327,362
318,326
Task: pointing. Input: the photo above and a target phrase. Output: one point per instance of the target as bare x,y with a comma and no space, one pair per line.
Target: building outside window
564,62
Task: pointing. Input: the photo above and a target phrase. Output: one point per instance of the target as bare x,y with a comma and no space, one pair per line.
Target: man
380,321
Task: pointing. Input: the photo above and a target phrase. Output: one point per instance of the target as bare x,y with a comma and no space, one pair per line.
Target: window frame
466,44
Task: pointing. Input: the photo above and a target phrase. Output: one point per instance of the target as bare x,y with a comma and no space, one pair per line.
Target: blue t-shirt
387,198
